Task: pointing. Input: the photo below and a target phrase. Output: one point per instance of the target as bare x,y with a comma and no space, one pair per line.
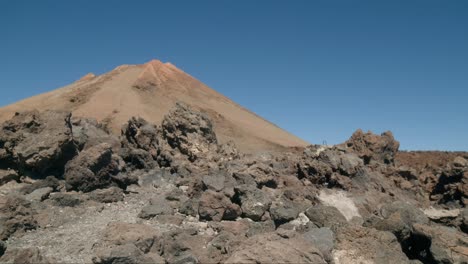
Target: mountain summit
149,91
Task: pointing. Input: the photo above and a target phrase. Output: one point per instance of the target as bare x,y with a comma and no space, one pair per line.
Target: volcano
149,91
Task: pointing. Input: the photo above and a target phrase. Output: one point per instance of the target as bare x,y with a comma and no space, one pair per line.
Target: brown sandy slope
149,91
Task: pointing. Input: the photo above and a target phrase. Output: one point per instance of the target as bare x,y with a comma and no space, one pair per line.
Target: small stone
39,195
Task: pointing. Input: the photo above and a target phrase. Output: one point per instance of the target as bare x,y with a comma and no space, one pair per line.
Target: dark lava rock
284,210
140,144
69,199
24,256
254,202
109,195
325,216
274,248
16,215
92,169
155,208
216,206
37,144
371,147
189,131
8,175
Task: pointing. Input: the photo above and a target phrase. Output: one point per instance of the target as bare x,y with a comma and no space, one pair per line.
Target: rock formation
173,193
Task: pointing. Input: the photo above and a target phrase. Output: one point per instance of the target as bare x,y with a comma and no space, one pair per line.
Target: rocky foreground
70,192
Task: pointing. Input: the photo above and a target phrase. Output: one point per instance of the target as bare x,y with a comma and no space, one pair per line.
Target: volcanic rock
371,147
273,248
24,256
37,143
92,169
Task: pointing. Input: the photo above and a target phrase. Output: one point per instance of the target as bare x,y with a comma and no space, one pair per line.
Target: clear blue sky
319,69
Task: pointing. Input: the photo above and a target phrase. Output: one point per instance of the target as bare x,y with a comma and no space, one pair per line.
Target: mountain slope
149,90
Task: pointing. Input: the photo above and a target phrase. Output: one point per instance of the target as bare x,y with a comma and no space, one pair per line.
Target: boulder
325,216
92,169
439,244
324,240
274,248
24,256
39,195
49,182
155,208
68,199
355,244
88,132
216,206
140,141
120,233
254,202
125,254
16,215
109,195
284,210
373,148
37,144
189,131
8,175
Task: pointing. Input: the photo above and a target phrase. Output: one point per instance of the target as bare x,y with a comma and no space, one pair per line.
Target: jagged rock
8,175
119,233
186,258
331,166
24,256
186,246
125,254
439,244
48,182
88,132
325,216
214,182
273,248
39,195
188,131
323,239
16,215
109,195
356,244
92,169
140,143
284,210
69,199
410,213
189,207
371,147
254,203
216,206
398,218
155,208
37,143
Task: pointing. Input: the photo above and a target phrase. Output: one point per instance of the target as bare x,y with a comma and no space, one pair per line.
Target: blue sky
319,69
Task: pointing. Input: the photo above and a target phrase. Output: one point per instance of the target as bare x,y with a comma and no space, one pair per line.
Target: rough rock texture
8,175
188,131
276,248
16,216
366,245
372,147
37,143
173,194
92,168
24,256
